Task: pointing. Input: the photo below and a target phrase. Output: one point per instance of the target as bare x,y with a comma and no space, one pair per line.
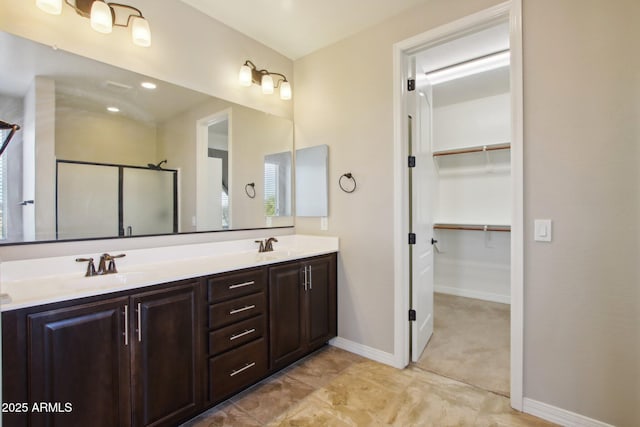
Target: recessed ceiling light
113,109
148,85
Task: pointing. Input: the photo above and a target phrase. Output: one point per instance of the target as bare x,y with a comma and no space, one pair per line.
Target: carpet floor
470,342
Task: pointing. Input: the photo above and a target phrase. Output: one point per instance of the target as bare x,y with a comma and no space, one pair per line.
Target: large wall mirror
104,152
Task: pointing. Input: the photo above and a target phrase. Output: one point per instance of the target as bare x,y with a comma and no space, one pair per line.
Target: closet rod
472,150
466,61
504,228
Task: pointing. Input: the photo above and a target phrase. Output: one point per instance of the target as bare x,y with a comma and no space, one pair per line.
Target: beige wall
104,138
581,142
253,135
581,161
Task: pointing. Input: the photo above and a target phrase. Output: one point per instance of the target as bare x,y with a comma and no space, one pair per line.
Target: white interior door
422,187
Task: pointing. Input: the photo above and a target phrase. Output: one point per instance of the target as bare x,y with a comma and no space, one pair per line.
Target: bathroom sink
277,254
107,280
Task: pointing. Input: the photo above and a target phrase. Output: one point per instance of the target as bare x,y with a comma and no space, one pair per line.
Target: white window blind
271,189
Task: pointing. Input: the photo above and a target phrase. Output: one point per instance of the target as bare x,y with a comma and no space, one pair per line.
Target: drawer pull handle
244,368
242,285
242,334
240,310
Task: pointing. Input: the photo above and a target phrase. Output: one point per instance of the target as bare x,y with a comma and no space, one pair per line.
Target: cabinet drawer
227,312
233,285
235,335
237,369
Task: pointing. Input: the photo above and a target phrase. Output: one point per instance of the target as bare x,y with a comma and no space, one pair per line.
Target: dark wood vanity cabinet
118,361
77,356
237,354
165,364
158,355
302,305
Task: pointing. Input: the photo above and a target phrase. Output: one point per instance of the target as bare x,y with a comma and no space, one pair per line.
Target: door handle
126,324
433,241
305,278
139,323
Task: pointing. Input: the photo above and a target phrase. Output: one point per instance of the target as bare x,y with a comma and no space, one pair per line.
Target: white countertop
47,280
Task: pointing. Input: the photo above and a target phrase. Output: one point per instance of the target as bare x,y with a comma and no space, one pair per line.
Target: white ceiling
296,28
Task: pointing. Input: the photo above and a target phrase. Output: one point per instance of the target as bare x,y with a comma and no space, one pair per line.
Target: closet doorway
460,120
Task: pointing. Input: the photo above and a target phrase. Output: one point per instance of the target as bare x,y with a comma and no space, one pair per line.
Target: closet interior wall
470,145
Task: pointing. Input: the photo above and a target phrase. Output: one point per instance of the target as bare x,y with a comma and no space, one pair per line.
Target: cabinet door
286,321
165,366
78,356
321,300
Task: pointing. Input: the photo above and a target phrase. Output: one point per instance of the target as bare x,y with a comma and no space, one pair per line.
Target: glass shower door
148,202
87,201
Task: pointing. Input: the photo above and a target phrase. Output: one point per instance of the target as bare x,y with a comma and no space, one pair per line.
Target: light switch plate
542,230
324,223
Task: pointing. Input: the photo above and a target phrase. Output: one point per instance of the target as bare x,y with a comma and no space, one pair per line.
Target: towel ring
250,192
350,177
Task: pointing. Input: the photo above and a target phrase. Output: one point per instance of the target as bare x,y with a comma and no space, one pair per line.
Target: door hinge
412,315
412,238
411,85
412,161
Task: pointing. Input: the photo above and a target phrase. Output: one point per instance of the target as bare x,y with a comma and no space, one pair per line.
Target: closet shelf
478,149
472,227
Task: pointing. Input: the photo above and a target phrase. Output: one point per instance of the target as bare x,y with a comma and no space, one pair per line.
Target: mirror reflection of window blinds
271,174
3,198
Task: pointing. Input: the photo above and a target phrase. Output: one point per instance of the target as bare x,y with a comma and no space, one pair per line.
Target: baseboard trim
486,296
366,351
559,415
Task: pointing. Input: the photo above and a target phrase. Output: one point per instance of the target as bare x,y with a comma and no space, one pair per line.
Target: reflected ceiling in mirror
193,153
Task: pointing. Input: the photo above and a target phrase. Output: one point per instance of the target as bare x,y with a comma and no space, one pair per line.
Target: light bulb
140,32
285,90
267,84
101,19
53,7
245,76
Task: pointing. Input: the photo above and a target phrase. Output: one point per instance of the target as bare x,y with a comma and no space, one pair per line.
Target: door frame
401,52
202,145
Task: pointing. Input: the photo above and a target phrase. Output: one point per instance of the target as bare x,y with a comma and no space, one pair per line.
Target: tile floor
333,387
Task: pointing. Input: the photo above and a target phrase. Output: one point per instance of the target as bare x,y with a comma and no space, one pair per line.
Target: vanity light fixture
104,16
249,74
467,68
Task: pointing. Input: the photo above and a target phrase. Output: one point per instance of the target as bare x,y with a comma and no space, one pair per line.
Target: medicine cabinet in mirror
104,152
312,174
